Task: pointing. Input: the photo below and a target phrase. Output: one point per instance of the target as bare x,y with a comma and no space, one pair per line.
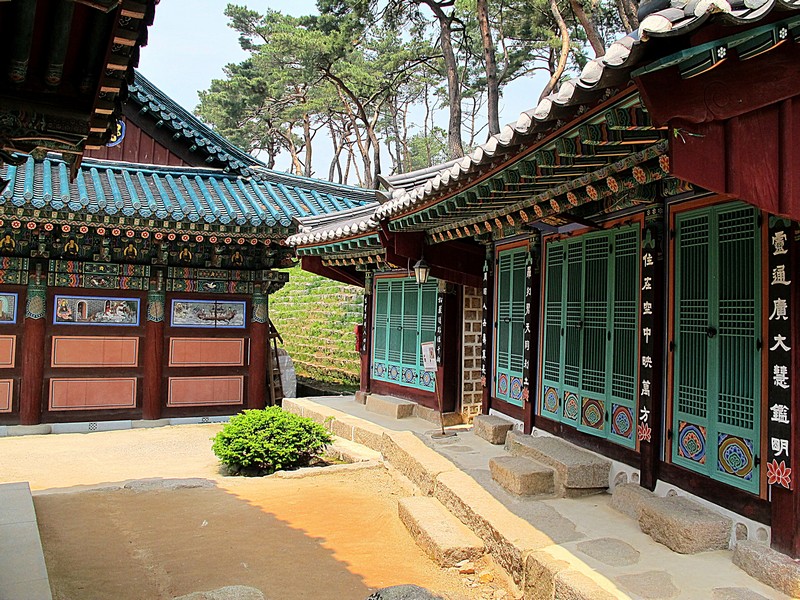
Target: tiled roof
349,223
656,34
175,194
173,117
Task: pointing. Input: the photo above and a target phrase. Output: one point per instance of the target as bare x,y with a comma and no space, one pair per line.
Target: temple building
135,271
617,268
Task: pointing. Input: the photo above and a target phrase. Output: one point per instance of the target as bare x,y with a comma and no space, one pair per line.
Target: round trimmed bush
269,440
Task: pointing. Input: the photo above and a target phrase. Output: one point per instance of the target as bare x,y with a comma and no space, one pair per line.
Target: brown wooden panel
6,394
201,391
206,352
8,348
95,351
95,393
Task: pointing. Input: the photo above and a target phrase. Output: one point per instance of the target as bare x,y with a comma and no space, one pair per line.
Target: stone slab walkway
560,547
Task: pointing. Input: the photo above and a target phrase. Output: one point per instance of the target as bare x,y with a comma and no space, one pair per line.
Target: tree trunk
492,87
308,139
588,25
453,84
563,55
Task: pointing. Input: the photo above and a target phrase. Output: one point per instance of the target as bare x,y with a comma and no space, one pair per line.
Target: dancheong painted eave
175,194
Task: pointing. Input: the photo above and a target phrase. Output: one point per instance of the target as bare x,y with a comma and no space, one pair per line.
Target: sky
190,42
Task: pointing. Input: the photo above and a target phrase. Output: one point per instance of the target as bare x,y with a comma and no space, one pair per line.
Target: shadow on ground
161,543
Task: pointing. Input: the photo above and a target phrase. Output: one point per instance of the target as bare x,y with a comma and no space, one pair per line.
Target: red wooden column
153,361
487,320
365,348
260,358
785,503
31,381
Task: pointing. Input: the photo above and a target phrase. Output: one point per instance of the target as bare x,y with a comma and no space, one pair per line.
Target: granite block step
491,428
768,566
23,574
443,537
684,526
522,476
389,406
578,472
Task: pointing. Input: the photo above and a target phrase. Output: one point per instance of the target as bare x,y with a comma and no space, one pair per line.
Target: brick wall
472,391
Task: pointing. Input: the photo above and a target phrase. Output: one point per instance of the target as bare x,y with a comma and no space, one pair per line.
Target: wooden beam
313,264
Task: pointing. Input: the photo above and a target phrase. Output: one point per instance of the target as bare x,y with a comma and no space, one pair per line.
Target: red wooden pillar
785,504
32,375
487,324
259,353
365,349
153,361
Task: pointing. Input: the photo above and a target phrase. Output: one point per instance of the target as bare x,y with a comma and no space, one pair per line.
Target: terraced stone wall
316,316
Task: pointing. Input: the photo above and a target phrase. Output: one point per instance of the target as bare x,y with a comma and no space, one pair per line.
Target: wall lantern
421,271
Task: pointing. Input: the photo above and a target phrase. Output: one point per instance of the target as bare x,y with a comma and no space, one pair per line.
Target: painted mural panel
8,308
95,310
208,314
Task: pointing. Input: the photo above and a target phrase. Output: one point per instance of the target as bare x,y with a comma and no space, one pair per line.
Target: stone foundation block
492,429
395,408
361,397
292,405
768,566
541,569
448,419
579,472
628,499
574,585
684,526
508,538
443,537
368,434
522,476
409,455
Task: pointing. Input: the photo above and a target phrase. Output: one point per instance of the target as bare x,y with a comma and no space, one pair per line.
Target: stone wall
315,316
472,391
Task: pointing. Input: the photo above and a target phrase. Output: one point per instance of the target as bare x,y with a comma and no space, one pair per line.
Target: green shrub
259,442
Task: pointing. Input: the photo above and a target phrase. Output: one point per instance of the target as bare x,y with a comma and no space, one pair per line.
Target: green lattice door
590,342
405,316
509,346
717,358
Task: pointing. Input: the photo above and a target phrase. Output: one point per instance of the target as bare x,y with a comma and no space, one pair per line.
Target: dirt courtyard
334,535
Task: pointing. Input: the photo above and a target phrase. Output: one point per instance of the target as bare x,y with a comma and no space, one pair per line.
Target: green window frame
509,352
716,392
590,349
404,317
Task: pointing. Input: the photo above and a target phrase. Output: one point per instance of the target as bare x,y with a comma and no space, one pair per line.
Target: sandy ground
334,535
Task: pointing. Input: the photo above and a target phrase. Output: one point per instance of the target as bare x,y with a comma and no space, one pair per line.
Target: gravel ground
334,535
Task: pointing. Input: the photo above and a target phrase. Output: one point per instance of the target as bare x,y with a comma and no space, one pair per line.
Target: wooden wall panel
6,394
206,352
95,351
92,393
204,391
139,147
8,349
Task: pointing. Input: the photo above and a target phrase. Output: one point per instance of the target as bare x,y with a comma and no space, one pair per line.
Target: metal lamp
421,271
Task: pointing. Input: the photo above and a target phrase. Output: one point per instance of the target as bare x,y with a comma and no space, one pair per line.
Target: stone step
491,428
578,472
443,537
768,566
23,573
389,406
628,498
522,476
683,525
